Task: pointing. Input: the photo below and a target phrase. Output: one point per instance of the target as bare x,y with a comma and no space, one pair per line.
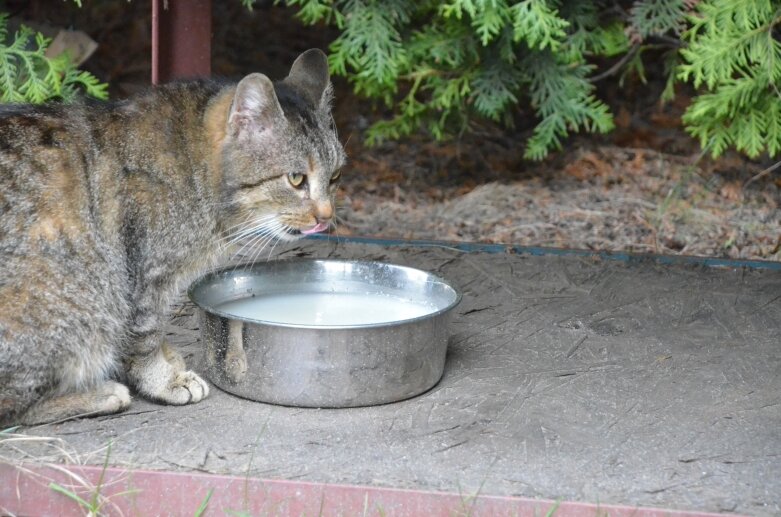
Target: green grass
97,500
204,504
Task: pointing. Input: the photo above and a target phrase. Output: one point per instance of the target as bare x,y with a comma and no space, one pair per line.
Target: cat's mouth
319,227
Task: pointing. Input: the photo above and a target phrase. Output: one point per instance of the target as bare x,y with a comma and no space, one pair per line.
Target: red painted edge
26,490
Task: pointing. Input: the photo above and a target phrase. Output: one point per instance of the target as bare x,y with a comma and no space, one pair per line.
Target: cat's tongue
319,227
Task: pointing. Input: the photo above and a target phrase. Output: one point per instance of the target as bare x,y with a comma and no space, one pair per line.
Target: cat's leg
109,397
235,366
58,350
173,356
158,372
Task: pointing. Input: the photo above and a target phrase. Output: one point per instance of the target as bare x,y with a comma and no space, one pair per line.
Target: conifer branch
27,75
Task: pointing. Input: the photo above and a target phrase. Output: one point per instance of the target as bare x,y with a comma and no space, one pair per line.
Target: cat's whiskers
259,233
258,243
284,228
267,239
248,245
230,238
273,231
252,233
337,219
251,218
247,220
247,227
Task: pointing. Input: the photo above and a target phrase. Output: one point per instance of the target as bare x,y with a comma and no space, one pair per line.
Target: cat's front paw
185,388
160,376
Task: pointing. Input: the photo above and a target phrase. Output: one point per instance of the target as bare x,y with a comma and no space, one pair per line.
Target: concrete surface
567,377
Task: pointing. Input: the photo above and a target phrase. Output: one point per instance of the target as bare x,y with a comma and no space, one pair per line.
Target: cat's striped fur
106,210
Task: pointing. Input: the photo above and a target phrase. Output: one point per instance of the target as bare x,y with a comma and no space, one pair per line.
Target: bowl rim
206,277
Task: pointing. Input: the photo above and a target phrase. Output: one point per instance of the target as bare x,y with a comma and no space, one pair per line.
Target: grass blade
553,508
204,503
75,497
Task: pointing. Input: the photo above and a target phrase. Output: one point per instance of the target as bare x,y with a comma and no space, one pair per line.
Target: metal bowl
311,362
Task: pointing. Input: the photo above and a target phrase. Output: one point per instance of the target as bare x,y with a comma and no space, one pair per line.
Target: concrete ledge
25,491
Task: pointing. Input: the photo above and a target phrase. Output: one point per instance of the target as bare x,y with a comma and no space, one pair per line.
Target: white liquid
325,309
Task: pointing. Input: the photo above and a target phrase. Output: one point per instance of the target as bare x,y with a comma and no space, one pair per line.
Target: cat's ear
255,107
309,75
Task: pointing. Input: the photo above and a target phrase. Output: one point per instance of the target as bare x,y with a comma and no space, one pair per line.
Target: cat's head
281,155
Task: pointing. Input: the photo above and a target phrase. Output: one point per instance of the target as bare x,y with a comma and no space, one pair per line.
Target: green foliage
27,75
441,66
657,17
734,53
537,23
561,94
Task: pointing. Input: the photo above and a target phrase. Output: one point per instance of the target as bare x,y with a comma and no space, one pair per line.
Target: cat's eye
296,178
336,175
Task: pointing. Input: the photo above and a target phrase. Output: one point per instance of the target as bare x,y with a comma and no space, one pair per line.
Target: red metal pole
181,39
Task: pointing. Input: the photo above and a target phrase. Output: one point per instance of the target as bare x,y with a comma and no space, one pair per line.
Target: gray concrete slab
566,377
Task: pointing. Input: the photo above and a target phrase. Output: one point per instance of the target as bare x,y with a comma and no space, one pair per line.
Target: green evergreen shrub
733,52
27,75
441,65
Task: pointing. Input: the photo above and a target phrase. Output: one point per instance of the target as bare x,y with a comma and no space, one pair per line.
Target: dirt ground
643,188
601,197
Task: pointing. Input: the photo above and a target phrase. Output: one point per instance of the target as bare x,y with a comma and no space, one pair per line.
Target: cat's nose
323,211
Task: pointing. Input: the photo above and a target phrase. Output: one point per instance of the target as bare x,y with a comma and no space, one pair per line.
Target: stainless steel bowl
324,365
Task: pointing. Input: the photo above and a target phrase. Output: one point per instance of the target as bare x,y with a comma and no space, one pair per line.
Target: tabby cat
106,210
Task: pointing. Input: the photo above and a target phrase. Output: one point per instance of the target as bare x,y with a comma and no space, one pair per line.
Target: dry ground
601,197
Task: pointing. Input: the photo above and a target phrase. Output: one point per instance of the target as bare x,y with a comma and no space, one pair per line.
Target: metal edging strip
540,251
